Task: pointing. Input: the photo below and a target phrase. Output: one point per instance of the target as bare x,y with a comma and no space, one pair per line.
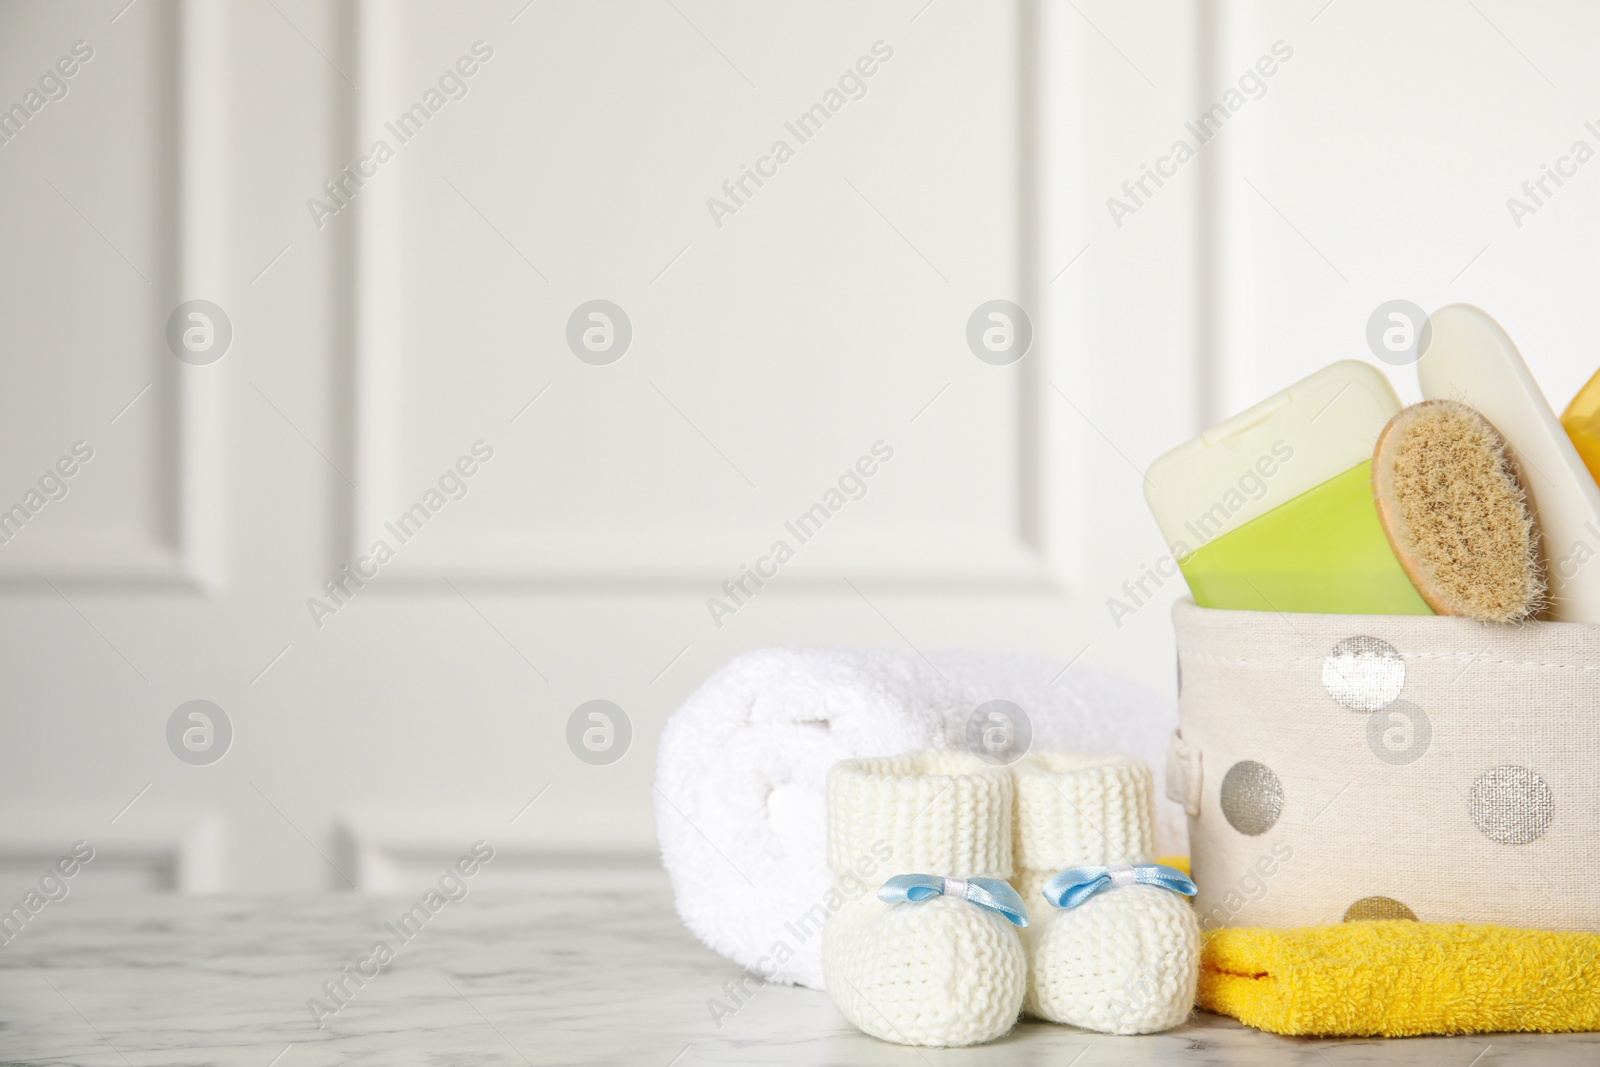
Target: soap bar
1272,510
1471,359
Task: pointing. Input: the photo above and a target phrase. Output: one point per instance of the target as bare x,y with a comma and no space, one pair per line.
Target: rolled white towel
742,770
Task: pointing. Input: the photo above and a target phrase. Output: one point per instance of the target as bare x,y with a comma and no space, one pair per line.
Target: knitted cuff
1075,809
929,812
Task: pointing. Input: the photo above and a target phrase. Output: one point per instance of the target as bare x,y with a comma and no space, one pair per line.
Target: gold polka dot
1378,908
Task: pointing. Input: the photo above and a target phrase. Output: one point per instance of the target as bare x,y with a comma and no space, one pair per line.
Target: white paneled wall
381,335
1380,167
399,328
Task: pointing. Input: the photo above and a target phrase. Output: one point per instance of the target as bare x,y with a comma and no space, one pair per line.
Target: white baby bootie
1114,943
920,945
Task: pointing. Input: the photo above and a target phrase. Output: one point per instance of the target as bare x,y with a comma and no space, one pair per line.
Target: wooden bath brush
1456,514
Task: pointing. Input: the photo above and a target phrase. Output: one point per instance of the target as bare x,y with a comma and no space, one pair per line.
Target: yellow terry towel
1400,978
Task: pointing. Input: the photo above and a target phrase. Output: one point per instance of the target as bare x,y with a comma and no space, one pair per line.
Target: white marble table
531,980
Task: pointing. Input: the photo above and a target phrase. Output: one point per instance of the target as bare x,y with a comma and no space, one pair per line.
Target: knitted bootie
939,964
1123,957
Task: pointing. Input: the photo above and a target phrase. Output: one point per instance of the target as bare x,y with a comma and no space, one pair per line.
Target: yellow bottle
1581,420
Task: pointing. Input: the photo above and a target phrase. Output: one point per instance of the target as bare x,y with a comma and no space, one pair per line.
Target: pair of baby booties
937,969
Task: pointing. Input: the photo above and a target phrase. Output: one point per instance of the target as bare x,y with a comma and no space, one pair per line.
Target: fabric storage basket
1338,767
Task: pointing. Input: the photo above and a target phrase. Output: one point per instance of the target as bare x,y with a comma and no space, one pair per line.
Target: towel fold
1400,978
742,767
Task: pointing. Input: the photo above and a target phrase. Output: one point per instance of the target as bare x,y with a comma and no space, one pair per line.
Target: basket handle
1183,774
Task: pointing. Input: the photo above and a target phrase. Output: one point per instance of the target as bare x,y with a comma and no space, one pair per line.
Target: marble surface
527,980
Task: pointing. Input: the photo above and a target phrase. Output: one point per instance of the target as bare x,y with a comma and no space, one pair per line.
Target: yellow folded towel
1400,978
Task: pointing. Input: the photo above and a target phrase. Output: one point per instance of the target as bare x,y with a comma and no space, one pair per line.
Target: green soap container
1272,510
1324,551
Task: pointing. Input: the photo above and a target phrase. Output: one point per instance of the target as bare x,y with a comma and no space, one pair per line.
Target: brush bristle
1457,515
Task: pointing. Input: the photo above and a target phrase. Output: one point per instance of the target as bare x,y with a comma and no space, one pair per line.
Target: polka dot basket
1344,767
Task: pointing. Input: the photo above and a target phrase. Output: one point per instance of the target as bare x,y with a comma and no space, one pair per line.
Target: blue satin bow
1075,885
995,894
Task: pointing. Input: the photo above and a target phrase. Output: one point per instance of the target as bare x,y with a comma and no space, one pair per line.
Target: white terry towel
741,771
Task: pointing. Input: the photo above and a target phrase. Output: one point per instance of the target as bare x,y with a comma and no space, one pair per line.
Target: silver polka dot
1511,805
1364,673
1252,797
